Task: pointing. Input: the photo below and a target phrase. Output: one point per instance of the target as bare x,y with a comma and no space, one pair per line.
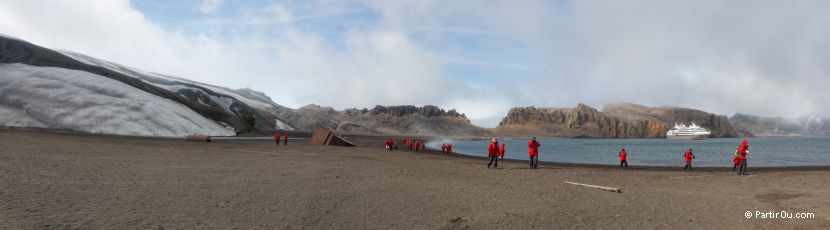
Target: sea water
764,151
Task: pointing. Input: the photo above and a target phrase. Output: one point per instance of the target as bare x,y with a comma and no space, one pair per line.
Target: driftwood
197,138
610,189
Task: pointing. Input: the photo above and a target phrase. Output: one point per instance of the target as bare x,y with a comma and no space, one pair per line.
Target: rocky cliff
751,125
718,124
615,121
396,120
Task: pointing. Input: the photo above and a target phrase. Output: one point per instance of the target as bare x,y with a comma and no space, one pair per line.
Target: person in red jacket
277,138
389,144
501,151
743,150
533,152
285,139
443,148
493,152
623,157
449,148
689,156
418,144
409,144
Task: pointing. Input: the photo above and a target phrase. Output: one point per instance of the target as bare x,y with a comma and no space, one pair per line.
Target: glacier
234,102
64,99
175,84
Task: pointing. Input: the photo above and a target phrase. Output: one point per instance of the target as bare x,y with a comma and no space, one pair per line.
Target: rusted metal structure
325,136
197,138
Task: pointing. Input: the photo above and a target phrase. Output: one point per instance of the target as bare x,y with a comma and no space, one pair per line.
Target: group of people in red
738,160
496,152
411,144
446,148
277,138
414,144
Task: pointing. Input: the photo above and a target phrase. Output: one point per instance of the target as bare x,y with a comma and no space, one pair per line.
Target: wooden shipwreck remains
326,136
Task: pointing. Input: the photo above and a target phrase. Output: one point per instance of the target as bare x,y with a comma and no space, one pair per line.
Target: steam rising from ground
435,143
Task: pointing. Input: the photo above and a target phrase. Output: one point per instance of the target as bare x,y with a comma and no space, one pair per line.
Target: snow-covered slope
58,98
282,125
52,89
244,110
235,102
169,82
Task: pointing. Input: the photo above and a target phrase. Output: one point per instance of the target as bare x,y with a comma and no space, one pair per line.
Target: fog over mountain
64,90
767,58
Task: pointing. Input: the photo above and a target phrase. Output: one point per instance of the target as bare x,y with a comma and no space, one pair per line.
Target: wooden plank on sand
610,189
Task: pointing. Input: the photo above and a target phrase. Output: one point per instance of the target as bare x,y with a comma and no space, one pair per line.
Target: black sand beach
64,180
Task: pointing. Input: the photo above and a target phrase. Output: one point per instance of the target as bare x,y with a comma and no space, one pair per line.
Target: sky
481,57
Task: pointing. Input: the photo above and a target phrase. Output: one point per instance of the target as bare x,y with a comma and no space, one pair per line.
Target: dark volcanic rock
615,121
404,110
397,120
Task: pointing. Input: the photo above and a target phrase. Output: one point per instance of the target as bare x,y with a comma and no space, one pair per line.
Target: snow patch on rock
282,125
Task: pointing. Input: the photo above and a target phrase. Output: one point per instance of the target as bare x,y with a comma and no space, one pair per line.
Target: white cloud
282,14
764,57
725,57
210,6
371,67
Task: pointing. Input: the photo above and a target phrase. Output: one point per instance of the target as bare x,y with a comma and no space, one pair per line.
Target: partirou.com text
779,215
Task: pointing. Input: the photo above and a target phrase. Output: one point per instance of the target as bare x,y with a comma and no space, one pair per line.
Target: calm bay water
764,151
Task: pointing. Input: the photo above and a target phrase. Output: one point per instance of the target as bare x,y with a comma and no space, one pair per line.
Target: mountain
398,120
615,121
116,99
57,98
751,125
71,91
718,124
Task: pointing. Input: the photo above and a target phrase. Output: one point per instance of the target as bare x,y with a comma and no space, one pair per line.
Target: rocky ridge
396,120
615,121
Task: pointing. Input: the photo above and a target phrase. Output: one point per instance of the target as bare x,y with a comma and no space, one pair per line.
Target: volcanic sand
64,180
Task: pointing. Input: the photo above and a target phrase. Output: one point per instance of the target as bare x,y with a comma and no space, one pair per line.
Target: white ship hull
683,132
688,137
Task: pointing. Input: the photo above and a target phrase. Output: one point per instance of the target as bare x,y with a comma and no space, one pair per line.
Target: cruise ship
683,132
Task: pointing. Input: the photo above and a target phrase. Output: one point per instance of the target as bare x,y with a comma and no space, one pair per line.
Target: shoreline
377,141
638,167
